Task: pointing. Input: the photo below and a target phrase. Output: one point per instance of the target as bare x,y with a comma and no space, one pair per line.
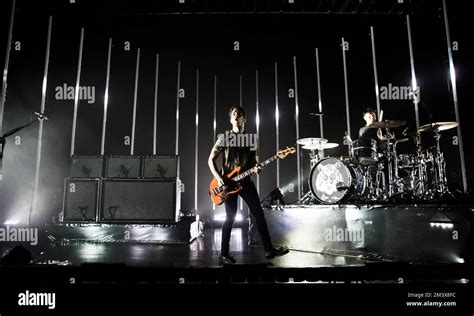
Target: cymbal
311,141
320,146
438,126
387,124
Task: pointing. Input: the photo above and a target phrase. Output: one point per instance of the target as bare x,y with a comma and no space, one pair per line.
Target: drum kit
374,172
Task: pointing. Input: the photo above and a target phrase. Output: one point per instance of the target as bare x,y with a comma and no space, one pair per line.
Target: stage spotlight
275,196
442,225
11,223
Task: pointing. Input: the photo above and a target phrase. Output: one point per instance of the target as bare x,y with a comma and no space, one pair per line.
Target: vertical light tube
414,84
376,77
257,123
7,62
176,152
214,130
277,127
155,112
320,104
346,90
106,98
452,73
76,93
134,119
240,201
196,151
34,204
298,162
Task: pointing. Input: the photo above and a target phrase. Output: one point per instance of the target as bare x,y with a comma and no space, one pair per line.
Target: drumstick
381,116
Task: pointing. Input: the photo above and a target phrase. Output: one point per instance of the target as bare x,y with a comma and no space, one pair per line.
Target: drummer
366,132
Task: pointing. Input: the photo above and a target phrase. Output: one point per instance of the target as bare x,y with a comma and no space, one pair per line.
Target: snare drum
364,151
332,181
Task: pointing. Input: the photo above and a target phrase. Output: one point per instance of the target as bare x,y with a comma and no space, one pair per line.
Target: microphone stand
13,131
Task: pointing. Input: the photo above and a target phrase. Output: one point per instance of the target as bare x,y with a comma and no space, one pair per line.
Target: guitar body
220,194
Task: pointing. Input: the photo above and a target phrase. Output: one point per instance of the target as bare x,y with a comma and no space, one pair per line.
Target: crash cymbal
437,126
387,124
320,146
311,141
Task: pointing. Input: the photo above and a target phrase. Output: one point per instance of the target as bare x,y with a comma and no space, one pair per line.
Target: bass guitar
231,185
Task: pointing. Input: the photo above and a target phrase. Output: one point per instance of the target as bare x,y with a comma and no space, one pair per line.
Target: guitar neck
253,170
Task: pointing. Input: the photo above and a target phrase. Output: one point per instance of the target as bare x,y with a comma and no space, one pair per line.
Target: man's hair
370,110
236,107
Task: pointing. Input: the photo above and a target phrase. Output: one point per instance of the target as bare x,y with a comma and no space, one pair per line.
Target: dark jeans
250,195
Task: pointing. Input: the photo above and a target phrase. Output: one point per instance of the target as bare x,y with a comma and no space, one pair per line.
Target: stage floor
198,260
131,274
202,252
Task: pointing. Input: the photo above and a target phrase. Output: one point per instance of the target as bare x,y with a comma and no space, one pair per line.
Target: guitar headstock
285,152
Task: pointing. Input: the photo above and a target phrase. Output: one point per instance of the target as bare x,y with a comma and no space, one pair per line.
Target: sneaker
277,252
226,259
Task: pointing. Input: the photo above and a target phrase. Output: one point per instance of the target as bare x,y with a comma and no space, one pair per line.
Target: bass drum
333,181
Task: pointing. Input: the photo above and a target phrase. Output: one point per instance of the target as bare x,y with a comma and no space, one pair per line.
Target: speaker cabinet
123,167
87,167
81,199
160,167
140,200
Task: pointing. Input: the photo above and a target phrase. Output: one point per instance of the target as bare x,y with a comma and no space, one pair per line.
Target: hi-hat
320,146
437,126
311,141
387,124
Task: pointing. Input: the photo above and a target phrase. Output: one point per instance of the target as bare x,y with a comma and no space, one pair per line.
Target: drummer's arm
380,135
379,131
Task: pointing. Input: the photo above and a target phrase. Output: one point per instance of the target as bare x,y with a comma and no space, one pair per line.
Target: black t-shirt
239,150
368,133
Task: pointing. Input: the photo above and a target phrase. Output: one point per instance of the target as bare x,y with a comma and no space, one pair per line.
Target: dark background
205,41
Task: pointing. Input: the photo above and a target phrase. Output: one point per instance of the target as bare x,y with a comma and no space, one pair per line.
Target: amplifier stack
118,189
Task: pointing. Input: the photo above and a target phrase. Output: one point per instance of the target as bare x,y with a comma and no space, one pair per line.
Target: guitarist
245,157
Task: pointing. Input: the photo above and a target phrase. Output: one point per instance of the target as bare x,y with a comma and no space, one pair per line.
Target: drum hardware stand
348,141
308,198
314,157
373,177
439,167
391,153
378,188
439,164
421,168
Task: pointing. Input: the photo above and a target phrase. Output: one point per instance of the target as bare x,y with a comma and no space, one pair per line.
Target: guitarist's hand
258,168
220,181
